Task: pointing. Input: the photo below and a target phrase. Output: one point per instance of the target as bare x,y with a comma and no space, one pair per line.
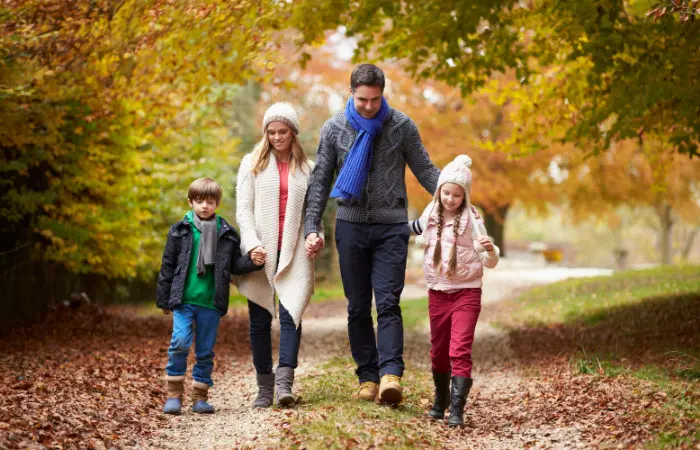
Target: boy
201,252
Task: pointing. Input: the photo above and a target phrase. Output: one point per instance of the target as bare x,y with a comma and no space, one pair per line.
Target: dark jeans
261,341
198,323
373,258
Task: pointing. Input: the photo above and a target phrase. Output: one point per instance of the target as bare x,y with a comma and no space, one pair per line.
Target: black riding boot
460,390
442,395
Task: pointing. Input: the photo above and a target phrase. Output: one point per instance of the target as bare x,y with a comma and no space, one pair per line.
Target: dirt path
236,425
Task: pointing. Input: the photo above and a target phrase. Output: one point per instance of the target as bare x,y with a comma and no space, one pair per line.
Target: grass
591,299
414,313
322,293
643,325
329,418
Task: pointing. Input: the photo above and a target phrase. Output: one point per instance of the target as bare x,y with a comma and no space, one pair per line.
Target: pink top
283,169
470,260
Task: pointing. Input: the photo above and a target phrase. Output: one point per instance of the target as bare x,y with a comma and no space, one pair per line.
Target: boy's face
204,207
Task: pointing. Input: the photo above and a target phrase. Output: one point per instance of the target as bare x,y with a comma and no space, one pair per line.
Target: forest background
582,120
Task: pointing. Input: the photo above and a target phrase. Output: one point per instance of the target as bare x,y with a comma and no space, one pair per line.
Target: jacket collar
224,226
463,220
342,122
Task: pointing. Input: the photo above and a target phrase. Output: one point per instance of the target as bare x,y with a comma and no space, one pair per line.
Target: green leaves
644,73
110,109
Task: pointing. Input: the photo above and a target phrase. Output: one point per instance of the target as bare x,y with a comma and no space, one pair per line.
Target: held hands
314,244
486,243
257,255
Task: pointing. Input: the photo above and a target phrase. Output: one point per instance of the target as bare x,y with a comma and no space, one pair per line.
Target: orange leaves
90,377
686,9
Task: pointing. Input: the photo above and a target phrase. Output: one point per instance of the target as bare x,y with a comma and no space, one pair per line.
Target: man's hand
166,311
486,243
314,243
258,256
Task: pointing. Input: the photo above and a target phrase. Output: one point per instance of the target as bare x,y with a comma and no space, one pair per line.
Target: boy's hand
166,311
486,243
314,243
258,256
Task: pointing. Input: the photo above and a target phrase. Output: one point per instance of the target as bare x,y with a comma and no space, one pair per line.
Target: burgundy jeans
453,319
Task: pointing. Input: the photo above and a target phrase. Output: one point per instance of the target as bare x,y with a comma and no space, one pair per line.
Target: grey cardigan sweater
384,196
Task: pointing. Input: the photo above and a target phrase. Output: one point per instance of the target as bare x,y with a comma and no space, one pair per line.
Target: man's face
367,100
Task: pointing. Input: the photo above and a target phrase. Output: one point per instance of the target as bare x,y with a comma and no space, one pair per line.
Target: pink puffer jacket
471,256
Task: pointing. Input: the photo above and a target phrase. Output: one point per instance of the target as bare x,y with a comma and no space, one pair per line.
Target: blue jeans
373,258
261,341
202,324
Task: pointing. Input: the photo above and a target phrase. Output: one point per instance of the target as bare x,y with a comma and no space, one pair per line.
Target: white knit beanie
457,172
281,112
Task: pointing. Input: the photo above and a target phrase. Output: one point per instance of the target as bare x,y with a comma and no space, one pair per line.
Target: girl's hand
486,243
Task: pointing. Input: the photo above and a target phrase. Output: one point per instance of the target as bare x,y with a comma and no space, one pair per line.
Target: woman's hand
313,245
486,243
258,256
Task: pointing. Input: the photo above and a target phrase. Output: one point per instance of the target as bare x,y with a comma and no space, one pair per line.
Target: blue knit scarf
353,175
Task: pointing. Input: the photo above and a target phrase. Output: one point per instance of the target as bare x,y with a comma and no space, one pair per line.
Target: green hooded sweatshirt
199,290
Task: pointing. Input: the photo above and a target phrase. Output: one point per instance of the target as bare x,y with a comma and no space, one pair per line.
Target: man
369,145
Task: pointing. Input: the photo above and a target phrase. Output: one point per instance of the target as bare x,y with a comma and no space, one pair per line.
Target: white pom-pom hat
281,112
457,172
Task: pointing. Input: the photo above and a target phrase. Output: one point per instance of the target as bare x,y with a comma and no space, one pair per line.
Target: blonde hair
263,149
437,254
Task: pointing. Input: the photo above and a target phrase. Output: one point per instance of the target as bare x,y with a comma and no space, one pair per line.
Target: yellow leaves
626,57
94,260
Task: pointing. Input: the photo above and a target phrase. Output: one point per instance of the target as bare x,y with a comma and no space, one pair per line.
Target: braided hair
437,254
452,265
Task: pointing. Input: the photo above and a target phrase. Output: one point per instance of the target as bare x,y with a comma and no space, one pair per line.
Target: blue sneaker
173,406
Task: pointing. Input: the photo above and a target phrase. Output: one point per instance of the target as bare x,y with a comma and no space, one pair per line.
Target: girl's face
451,196
280,136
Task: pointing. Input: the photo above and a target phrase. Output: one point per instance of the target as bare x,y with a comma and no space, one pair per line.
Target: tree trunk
327,266
689,243
666,221
495,226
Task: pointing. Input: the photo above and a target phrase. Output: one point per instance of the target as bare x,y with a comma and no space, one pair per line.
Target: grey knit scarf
207,242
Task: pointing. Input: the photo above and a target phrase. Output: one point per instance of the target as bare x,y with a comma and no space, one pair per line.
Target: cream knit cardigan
257,214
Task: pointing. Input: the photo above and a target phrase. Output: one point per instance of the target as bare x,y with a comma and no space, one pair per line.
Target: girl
456,250
270,193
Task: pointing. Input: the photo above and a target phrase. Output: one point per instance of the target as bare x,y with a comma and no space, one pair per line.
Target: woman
270,194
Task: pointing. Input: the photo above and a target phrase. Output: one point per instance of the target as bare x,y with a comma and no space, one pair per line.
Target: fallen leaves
91,378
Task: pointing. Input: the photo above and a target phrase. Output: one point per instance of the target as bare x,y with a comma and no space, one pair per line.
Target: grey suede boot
285,381
266,390
175,387
200,395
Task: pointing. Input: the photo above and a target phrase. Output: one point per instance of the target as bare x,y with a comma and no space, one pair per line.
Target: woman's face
280,136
